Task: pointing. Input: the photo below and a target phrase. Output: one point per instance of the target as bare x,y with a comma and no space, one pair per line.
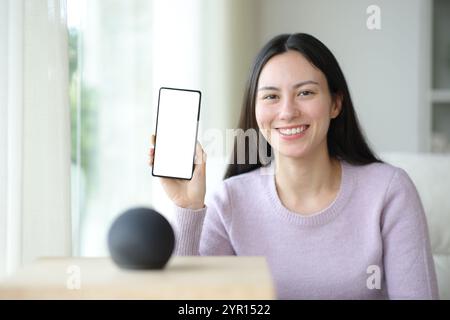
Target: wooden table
183,278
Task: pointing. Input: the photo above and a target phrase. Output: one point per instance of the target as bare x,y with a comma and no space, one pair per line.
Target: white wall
229,43
386,69
229,40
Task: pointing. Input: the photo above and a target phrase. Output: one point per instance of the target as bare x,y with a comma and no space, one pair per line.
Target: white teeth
289,132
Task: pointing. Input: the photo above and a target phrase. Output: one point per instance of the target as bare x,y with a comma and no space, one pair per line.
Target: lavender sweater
372,242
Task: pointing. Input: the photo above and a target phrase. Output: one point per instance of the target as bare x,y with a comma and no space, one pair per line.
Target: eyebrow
295,86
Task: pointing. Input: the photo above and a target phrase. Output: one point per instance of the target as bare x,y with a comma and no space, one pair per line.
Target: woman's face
294,106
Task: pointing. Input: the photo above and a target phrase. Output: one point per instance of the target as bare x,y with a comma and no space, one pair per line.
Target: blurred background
78,91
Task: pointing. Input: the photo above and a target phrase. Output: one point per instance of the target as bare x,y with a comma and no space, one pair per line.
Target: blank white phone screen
176,133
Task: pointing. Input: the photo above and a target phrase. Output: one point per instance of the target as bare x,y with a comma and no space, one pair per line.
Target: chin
295,154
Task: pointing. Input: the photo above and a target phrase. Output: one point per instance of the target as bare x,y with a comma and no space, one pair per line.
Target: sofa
431,175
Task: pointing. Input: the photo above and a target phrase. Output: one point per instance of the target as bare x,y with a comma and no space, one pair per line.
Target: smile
293,132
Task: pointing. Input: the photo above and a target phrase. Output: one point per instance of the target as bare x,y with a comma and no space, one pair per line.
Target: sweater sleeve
204,231
408,262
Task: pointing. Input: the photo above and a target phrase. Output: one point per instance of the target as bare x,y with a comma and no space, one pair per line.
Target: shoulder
251,181
235,193
236,189
379,174
391,182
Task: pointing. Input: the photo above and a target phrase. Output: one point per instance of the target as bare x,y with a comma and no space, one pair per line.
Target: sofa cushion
431,175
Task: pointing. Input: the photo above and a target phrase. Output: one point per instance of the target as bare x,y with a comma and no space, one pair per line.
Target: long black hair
345,140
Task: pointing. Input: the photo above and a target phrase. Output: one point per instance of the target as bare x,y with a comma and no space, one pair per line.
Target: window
121,52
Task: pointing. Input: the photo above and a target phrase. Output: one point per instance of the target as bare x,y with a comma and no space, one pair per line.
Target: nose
288,109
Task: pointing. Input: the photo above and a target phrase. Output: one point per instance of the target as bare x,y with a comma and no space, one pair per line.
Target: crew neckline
320,217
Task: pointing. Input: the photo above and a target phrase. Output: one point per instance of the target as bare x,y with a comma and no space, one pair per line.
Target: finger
200,167
152,140
198,154
152,150
203,165
151,156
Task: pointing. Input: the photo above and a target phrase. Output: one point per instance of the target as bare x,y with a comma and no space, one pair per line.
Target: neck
307,177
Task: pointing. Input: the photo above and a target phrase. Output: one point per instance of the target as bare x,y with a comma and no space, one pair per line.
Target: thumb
200,167
203,163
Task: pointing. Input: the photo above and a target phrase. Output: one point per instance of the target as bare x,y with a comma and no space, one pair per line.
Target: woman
332,220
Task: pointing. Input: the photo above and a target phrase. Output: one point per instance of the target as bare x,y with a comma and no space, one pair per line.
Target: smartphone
177,121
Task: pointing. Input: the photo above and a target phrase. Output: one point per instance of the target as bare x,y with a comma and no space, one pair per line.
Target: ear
336,105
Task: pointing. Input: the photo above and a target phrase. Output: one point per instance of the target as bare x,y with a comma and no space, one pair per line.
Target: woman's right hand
188,194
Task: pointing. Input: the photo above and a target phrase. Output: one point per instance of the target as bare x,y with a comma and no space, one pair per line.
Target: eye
270,97
305,93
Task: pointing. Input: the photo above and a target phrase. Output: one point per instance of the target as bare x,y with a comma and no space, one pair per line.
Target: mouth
293,132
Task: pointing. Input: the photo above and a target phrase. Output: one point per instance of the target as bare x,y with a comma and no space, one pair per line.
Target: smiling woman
300,71
325,212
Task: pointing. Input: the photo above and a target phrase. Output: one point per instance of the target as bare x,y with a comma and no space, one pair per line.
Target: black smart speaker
141,238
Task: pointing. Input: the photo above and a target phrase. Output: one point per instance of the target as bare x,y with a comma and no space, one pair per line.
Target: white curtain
35,132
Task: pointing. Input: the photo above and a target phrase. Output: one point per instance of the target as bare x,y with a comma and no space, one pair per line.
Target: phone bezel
196,130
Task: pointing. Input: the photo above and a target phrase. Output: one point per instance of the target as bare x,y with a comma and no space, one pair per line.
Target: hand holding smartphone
175,146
